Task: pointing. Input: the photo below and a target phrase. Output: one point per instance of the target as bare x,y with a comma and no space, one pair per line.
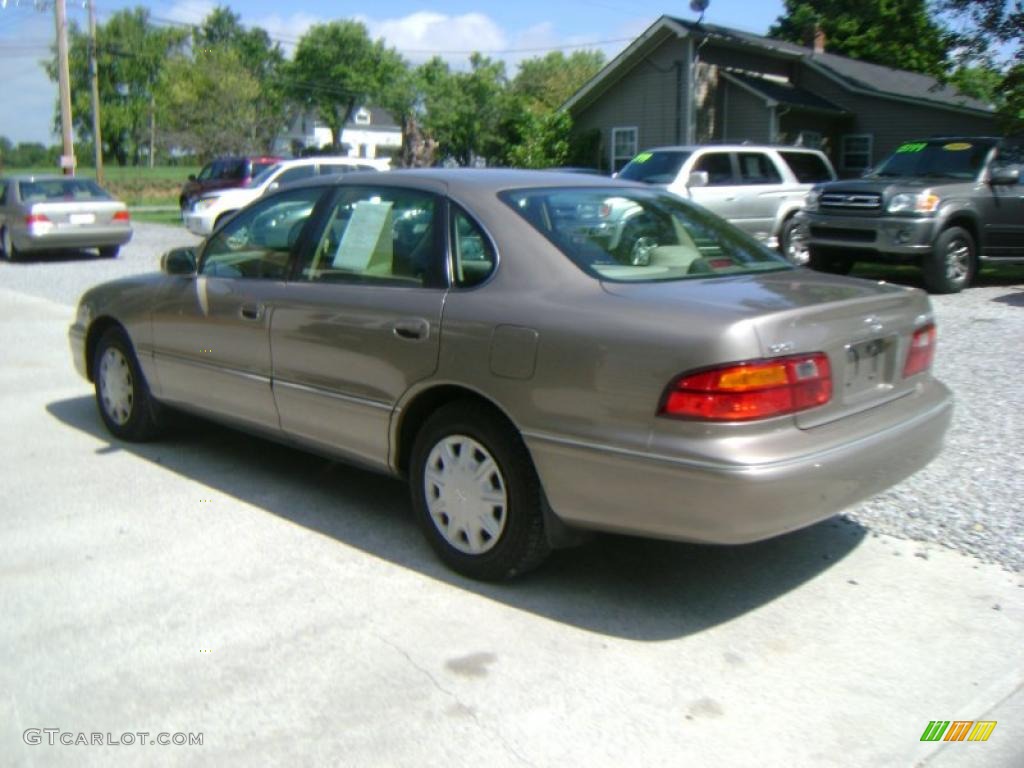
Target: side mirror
1004,175
191,177
272,186
179,261
697,179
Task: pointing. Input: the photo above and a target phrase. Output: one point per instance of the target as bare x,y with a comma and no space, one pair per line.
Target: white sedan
215,206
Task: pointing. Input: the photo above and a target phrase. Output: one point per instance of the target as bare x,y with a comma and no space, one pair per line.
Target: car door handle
251,311
413,329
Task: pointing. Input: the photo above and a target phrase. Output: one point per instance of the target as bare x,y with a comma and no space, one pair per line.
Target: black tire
109,251
520,545
791,244
953,262
7,246
833,262
122,395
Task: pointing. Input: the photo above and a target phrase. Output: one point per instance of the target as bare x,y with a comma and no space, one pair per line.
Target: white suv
215,206
757,188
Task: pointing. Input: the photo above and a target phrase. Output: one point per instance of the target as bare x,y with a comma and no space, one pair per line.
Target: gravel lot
970,499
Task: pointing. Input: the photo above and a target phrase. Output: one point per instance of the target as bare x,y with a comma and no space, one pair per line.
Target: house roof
851,74
781,92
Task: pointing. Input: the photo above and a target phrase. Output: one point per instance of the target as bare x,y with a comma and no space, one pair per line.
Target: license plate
82,218
867,366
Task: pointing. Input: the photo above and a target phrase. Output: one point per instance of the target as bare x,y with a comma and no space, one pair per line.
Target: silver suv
757,188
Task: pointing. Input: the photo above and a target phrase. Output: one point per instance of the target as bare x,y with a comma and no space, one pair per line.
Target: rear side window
654,167
259,166
718,166
624,234
758,168
233,169
808,167
296,174
472,252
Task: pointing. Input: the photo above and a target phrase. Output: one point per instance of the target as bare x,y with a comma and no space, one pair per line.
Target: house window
624,146
855,152
363,117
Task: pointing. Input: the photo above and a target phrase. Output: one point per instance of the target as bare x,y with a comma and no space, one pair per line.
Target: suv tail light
754,390
121,216
922,351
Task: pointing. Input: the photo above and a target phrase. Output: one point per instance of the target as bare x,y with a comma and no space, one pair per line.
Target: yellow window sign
643,157
957,146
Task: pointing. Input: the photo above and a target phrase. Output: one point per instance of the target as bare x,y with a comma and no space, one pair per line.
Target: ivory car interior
533,364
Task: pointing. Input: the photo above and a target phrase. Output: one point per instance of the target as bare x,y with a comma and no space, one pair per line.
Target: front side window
639,235
258,242
718,167
757,168
624,146
208,171
296,174
381,236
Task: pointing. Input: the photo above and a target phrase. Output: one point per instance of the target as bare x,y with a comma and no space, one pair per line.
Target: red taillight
922,351
121,216
36,218
754,390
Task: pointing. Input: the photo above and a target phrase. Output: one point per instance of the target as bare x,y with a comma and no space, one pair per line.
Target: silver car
45,213
474,332
758,188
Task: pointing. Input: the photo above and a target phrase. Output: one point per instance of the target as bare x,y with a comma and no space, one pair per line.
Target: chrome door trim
334,395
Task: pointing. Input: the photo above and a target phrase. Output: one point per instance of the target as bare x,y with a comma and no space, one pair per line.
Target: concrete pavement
287,608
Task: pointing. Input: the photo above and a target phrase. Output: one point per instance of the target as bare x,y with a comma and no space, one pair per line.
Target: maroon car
222,173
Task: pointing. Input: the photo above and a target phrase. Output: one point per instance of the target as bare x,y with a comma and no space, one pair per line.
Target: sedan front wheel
476,493
127,408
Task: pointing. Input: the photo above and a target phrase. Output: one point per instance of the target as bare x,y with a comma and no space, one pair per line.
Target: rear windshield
265,173
639,235
60,190
258,166
808,167
654,167
947,158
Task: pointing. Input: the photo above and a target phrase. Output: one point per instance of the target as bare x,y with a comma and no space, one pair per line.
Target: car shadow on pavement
1002,274
615,585
56,257
1015,299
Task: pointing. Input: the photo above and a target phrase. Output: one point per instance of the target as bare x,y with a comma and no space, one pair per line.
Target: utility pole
97,139
67,160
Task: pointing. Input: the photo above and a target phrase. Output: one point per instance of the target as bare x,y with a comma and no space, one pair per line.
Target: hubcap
116,388
466,495
958,260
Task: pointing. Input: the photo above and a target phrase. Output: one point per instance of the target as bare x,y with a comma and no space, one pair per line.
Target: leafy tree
544,141
264,61
898,33
990,28
130,53
547,82
210,104
337,69
465,112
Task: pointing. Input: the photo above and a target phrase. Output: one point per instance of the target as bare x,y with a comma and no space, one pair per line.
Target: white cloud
418,35
188,11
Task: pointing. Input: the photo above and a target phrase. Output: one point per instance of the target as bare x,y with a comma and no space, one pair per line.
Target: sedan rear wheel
476,493
127,408
10,252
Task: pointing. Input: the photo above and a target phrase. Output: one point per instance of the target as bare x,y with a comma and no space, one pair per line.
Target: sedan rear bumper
596,487
71,237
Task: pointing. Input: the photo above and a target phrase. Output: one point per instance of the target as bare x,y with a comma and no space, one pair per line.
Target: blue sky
522,28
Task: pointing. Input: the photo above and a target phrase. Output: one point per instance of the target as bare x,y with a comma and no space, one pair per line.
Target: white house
371,132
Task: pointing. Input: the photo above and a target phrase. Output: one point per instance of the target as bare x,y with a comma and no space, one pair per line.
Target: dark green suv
946,204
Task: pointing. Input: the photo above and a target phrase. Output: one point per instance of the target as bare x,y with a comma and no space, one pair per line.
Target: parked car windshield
655,167
945,158
60,190
265,173
258,166
638,235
